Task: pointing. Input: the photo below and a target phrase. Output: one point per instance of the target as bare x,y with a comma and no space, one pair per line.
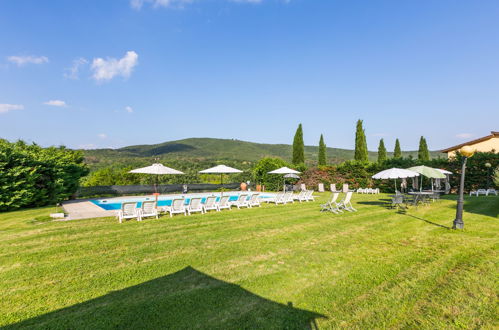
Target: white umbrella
443,171
291,175
395,173
284,170
221,169
157,169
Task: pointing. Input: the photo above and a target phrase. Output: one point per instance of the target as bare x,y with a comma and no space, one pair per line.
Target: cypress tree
397,153
381,151
423,152
360,143
298,147
322,152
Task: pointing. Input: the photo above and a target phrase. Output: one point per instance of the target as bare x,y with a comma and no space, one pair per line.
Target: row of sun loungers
339,207
178,206
290,197
368,191
485,192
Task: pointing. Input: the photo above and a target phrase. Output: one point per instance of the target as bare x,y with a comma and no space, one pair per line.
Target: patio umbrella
395,173
444,171
220,169
156,169
428,172
286,171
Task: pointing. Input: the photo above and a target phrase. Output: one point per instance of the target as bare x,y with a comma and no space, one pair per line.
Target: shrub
261,175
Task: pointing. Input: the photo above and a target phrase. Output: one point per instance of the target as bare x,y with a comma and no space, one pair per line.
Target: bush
261,175
34,176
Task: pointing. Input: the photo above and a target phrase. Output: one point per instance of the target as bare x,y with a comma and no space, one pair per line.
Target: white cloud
87,146
128,109
464,135
137,4
4,108
74,70
56,103
102,135
22,60
107,69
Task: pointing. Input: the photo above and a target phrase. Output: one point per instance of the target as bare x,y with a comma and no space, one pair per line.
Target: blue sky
116,73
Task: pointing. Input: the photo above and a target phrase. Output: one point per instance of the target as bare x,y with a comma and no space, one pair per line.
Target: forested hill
212,149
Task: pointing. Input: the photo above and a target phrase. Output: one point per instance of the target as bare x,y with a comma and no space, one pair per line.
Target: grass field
274,267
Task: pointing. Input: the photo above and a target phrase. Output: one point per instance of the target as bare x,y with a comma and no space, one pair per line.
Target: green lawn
274,267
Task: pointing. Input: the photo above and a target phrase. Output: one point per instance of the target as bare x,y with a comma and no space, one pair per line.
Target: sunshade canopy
395,173
291,175
284,170
443,171
156,169
428,172
220,169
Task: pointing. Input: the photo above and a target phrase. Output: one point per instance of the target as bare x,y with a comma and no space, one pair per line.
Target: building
489,143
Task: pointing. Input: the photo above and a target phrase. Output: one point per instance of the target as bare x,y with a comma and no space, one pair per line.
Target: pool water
115,203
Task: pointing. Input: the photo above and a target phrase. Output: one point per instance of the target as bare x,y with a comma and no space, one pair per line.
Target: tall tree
423,152
381,151
360,143
298,147
322,152
397,152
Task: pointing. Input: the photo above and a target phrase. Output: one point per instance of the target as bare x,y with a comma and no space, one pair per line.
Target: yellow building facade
489,143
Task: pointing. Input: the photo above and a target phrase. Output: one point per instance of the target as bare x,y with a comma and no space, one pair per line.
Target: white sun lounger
254,200
242,201
320,187
288,197
332,206
128,211
177,207
223,203
300,196
332,187
309,196
345,203
210,204
276,199
491,191
195,205
148,209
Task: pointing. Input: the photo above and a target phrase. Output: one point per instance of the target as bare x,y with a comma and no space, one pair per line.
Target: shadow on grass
182,300
484,205
427,221
381,202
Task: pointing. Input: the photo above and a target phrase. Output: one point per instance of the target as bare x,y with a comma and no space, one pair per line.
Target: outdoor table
420,196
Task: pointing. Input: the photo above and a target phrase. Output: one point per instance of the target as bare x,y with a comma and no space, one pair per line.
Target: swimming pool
165,200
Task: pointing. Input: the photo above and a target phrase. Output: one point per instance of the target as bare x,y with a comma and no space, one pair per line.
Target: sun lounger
491,191
210,204
254,200
288,197
177,207
345,204
478,192
277,199
332,206
223,203
301,196
332,187
242,201
148,209
303,187
195,205
345,188
320,187
309,196
128,211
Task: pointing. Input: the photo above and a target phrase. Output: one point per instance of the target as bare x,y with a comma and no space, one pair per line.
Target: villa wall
484,146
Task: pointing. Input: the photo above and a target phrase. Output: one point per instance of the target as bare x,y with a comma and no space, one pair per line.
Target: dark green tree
298,147
381,151
423,152
397,153
322,152
360,143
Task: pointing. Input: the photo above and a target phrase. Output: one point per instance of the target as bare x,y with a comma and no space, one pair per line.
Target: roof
485,138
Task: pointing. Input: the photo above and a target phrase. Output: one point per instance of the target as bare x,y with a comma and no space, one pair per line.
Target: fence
148,189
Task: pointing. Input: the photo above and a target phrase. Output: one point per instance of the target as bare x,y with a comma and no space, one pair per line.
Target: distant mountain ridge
218,149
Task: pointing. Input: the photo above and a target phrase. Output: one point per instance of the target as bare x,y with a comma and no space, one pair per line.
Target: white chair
242,201
491,191
300,196
479,192
332,206
254,200
345,188
303,187
224,203
360,191
148,209
195,205
345,204
320,187
310,196
288,197
128,211
210,204
177,207
332,187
